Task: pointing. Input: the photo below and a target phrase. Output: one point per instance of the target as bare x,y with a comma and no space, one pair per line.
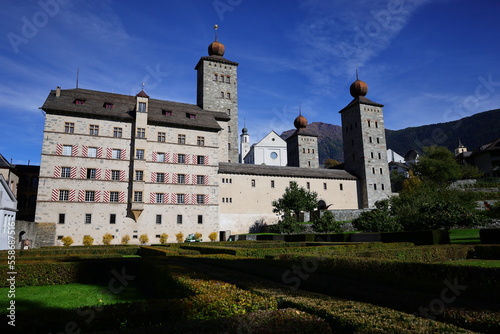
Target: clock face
274,155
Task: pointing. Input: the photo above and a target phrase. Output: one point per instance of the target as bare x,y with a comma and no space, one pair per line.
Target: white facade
8,205
270,151
393,156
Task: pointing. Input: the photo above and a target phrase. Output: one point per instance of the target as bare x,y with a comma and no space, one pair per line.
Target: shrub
67,241
106,239
143,238
377,220
179,237
163,238
212,236
88,240
125,239
198,236
289,224
327,224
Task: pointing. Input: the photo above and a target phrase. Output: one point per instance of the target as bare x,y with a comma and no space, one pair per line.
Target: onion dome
216,49
358,88
300,122
244,131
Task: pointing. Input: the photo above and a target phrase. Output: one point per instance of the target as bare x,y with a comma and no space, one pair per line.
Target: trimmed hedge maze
269,287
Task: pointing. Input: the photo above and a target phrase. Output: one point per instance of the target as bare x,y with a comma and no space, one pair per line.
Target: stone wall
46,235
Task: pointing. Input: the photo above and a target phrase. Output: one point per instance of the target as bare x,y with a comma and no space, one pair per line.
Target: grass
480,263
464,236
69,296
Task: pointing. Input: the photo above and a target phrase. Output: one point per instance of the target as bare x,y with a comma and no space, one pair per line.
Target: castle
133,165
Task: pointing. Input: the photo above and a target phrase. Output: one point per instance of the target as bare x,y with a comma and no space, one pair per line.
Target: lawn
464,236
70,296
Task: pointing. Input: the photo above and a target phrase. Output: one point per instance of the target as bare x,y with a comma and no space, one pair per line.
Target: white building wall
8,204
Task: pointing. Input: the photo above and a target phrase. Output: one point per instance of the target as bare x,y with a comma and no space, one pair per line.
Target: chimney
58,91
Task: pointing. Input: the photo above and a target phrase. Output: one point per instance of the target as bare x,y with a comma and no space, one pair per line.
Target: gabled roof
264,170
361,100
123,109
493,146
268,135
8,191
4,163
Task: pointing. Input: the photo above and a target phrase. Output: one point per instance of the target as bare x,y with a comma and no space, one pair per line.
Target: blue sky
426,61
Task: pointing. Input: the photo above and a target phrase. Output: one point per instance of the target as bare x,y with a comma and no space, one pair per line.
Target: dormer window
190,116
166,112
79,102
142,106
108,105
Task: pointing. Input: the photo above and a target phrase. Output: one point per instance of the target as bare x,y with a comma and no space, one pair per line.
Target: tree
143,238
380,219
179,237
289,224
163,238
212,236
106,239
125,239
329,163
295,200
67,241
88,240
438,165
327,224
397,180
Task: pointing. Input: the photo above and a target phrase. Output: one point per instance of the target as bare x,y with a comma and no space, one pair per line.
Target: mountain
472,131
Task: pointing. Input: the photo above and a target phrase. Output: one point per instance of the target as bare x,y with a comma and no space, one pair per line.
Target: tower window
69,127
370,140
229,112
382,185
378,140
216,77
376,124
141,132
142,106
228,79
341,186
373,170
380,156
228,96
374,186
371,154
222,95
381,172
369,124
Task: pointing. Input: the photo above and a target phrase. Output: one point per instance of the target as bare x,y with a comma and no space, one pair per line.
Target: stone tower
217,90
365,149
302,146
244,144
460,149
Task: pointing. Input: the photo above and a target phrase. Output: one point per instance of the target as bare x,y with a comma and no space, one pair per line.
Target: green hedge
76,250
490,235
157,251
421,253
429,237
485,252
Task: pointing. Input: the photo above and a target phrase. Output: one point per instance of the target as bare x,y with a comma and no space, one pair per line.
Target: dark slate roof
247,169
359,100
124,109
493,146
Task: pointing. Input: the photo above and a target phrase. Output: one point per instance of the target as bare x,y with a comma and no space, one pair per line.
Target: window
160,156
371,154
200,159
200,199
116,154
229,129
117,132
341,186
158,219
115,175
200,141
92,152
216,77
324,186
272,183
180,198
378,140
373,170
380,156
253,183
369,124
65,171
63,195
370,139
167,112
67,149
142,106
141,133
88,218
308,185
89,196
113,196
200,179
94,130
228,79
181,178
181,158
228,95
222,95
108,105
376,124
179,219
374,186
91,173
62,218
200,219
228,146
137,196
139,154
159,197
380,170
181,139
161,136
79,102
112,218
160,177
229,112
190,116
139,175
69,127
382,186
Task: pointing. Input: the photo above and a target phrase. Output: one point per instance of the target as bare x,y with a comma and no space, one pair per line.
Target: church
134,165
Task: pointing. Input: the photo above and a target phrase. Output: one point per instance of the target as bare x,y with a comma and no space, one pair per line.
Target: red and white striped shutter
175,158
122,175
83,173
55,195
153,176
97,196
206,160
105,196
167,157
174,177
207,198
85,151
154,156
165,198
59,149
152,197
173,198
206,179
167,177
72,195
99,152
121,197
109,153
57,171
81,195
74,151
107,174
123,154
98,173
